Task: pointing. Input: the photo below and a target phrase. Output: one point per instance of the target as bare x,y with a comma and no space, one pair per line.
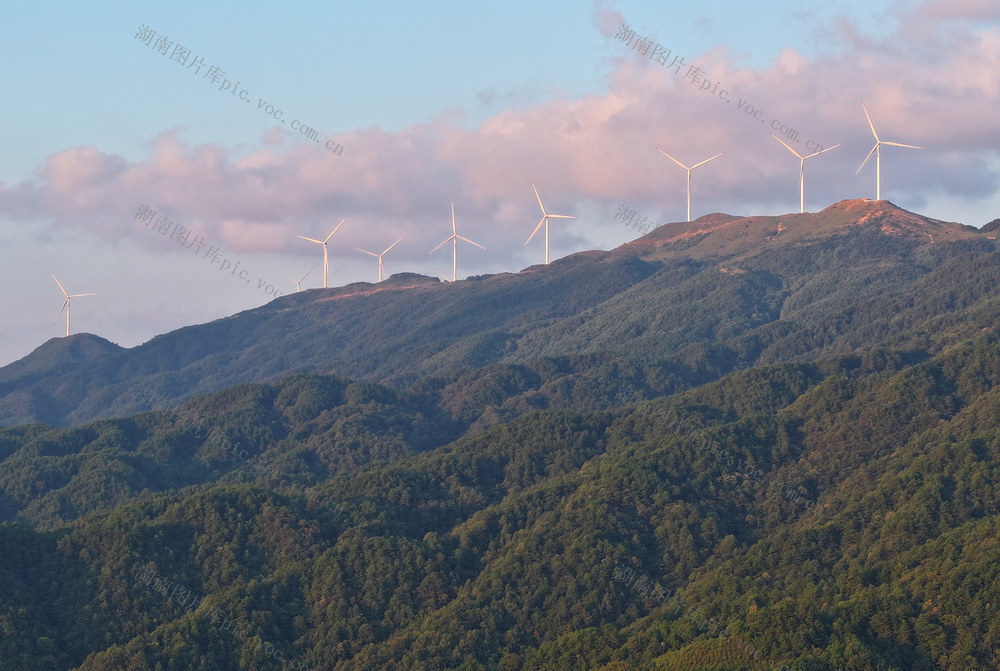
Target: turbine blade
470,241
866,159
441,245
672,158
318,242
707,160
534,231
897,144
367,252
560,216
391,246
539,200
60,285
867,116
454,231
65,303
78,295
786,145
307,274
822,150
334,231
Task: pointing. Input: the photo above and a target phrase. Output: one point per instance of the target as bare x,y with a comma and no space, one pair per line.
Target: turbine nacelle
689,173
326,262
381,267
67,304
802,168
545,220
298,282
878,154
455,237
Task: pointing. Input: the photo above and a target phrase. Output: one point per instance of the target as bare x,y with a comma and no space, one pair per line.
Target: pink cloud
606,19
599,148
977,10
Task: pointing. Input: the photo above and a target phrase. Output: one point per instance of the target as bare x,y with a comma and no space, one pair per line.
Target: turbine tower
298,282
67,303
326,263
545,220
878,157
381,267
802,169
455,237
689,172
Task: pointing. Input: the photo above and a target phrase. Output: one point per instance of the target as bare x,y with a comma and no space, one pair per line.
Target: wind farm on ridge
546,216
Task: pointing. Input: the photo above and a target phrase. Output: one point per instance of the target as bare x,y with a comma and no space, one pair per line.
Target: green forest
801,474
838,514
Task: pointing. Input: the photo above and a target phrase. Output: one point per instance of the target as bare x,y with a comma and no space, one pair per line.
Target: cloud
951,10
606,20
939,93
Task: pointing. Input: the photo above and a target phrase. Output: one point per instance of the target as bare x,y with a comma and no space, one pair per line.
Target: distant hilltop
738,287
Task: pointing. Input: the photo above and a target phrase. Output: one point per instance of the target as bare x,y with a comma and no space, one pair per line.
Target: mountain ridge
770,452
714,234
359,329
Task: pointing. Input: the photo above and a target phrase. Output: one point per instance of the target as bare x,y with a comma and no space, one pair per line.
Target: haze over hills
736,443
750,289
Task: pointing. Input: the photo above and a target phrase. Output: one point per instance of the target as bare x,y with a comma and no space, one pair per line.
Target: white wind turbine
455,237
67,303
802,169
878,158
381,267
326,263
298,282
545,220
689,172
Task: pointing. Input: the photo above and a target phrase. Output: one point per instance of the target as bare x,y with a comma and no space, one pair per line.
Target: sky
165,156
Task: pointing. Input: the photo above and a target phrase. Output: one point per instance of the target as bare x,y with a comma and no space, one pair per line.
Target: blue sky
447,102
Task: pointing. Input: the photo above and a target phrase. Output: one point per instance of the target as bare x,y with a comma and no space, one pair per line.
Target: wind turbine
67,303
326,263
298,282
802,169
878,157
689,172
545,220
455,237
381,267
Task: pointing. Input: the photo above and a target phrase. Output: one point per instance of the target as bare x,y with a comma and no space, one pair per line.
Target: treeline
833,514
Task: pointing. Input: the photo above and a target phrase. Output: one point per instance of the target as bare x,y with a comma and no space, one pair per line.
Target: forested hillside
826,515
710,296
786,458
